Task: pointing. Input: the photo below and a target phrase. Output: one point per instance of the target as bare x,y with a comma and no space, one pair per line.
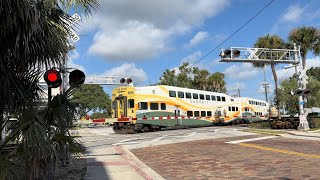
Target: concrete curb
139,166
304,135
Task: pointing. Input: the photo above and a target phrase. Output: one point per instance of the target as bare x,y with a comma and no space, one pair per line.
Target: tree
183,78
216,83
309,40
200,80
97,115
288,85
194,78
33,37
271,42
91,98
168,78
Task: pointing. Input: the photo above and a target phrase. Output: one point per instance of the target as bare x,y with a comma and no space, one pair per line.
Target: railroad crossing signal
124,80
76,78
52,78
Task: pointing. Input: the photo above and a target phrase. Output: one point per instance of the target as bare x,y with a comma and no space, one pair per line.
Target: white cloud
128,70
192,58
244,71
293,14
134,41
195,57
71,58
286,73
135,30
198,38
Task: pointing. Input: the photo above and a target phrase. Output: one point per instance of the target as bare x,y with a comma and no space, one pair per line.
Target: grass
315,129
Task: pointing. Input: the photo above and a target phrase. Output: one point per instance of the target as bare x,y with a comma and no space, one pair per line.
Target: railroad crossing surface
201,153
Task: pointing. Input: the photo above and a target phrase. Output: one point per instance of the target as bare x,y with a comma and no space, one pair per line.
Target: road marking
191,134
251,139
280,150
126,140
159,138
123,143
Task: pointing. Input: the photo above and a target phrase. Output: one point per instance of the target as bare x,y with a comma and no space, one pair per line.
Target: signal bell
52,78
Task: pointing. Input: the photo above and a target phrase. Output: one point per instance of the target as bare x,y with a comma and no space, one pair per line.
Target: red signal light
52,78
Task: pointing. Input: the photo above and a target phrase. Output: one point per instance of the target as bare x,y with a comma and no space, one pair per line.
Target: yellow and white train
155,107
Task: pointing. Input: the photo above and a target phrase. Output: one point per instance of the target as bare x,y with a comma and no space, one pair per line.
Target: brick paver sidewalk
277,158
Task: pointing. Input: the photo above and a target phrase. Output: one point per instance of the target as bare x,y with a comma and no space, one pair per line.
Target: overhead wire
233,33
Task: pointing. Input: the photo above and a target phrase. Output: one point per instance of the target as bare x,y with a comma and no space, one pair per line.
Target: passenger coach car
156,107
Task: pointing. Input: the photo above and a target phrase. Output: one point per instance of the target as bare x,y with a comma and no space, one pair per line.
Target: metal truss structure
276,56
252,55
106,80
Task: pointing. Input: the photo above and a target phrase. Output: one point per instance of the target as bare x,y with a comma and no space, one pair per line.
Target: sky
143,38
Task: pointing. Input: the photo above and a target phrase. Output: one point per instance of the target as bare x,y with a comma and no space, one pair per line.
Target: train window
196,113
189,113
213,98
172,94
131,103
188,95
163,106
114,104
209,113
246,109
180,94
203,114
207,97
120,104
218,98
230,108
154,106
233,108
195,96
143,105
202,96
237,109
223,98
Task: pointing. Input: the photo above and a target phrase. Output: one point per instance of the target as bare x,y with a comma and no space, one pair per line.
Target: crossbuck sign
74,18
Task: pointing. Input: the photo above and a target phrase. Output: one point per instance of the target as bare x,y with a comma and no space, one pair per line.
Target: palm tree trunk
276,87
304,58
1,122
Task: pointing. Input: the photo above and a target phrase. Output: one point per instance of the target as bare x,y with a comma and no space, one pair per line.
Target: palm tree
271,42
309,40
217,83
33,36
200,79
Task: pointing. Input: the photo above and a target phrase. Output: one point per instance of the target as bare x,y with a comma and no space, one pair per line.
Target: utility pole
238,92
265,84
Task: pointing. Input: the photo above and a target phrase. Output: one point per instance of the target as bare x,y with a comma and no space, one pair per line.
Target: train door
121,107
177,112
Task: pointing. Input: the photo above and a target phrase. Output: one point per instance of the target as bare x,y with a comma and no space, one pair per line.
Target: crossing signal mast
284,56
